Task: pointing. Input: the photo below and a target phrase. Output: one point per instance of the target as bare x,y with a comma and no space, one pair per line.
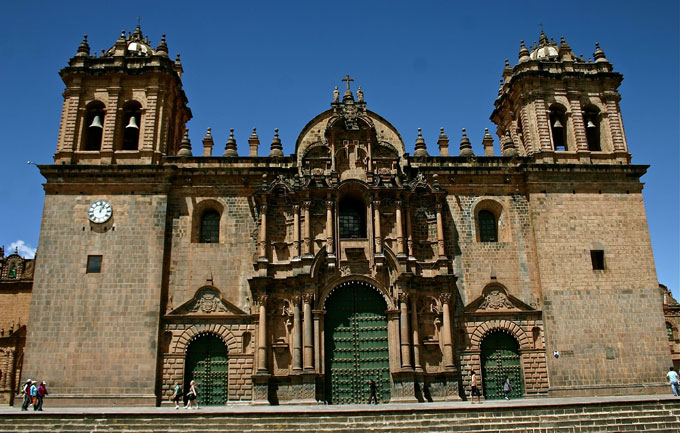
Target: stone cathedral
297,279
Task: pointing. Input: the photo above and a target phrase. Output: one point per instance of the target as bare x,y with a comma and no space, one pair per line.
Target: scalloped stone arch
507,326
196,331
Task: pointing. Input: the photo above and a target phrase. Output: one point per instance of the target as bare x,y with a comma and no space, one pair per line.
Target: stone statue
360,94
336,95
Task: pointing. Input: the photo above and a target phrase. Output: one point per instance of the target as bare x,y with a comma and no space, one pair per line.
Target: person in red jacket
42,392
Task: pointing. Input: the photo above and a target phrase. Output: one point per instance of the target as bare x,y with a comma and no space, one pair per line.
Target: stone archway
356,344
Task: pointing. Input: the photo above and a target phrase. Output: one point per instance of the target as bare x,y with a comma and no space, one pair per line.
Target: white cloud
24,250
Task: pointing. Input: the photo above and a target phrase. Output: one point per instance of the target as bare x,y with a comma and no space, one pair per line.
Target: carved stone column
400,229
376,217
416,335
403,332
11,372
308,228
447,336
113,122
318,347
393,338
330,249
543,121
409,232
579,128
297,343
307,336
262,337
263,232
441,251
296,230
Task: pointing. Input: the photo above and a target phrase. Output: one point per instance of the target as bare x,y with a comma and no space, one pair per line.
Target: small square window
597,257
94,264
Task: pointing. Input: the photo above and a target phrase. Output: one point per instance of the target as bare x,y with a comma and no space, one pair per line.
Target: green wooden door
208,366
356,346
500,359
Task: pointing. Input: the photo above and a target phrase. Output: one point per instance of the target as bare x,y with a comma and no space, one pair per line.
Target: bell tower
561,108
125,106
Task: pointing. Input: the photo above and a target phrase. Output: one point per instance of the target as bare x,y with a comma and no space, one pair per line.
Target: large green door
356,346
500,359
208,366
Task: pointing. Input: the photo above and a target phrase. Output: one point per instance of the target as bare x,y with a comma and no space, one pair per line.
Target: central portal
356,345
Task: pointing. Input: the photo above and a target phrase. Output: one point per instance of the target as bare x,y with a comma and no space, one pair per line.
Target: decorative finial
598,55
523,53
421,147
508,146
185,146
253,143
208,143
443,143
487,142
465,146
360,94
336,94
230,148
83,48
162,48
507,63
276,147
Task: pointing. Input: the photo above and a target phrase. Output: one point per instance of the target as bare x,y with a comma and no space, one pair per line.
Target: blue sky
274,64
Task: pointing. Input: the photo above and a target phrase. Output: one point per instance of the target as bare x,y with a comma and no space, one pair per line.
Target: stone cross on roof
348,79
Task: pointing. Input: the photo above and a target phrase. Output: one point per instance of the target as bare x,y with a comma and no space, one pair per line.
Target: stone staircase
662,415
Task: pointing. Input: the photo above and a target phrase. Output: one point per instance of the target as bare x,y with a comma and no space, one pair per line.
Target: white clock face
100,211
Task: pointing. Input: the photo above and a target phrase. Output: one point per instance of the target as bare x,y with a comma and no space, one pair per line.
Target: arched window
352,218
210,227
488,230
558,127
669,331
94,126
132,116
591,120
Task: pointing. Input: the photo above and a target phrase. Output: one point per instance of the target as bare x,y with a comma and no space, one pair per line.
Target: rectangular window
94,264
597,257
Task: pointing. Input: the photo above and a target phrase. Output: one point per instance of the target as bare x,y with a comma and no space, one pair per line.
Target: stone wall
606,324
94,335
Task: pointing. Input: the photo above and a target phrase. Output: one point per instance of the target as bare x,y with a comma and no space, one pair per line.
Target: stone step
650,417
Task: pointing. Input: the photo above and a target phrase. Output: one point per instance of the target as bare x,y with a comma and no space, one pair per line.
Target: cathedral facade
297,279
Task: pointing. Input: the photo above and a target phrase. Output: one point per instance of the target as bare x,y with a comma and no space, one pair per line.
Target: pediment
495,299
207,300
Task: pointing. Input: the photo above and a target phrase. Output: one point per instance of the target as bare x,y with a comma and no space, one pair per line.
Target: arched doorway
207,364
500,359
356,345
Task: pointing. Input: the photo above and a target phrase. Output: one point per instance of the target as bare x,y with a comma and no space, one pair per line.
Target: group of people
34,395
474,388
190,399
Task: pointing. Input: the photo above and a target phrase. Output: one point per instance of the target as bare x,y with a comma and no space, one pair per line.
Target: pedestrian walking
42,392
474,390
192,395
507,388
673,378
373,392
26,392
34,395
177,395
